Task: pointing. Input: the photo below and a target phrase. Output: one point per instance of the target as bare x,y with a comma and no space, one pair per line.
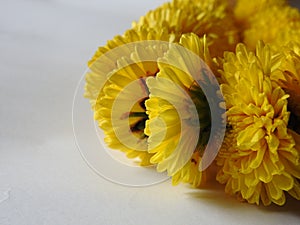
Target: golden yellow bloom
260,158
96,77
244,10
116,80
276,24
179,115
212,18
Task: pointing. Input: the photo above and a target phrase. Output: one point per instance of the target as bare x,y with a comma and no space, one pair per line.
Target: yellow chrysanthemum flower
179,114
212,18
244,10
96,77
276,24
112,70
260,158
113,111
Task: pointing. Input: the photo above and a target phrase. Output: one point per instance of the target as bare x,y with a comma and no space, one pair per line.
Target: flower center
204,114
138,127
138,113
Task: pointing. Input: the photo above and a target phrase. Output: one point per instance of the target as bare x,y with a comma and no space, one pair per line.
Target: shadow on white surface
213,194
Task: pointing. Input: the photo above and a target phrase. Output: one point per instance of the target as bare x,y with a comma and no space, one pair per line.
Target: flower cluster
205,85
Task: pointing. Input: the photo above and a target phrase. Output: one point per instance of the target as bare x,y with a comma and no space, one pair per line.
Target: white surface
44,46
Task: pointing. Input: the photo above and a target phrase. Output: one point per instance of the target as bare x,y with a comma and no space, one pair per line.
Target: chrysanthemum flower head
98,72
179,122
259,150
117,89
205,17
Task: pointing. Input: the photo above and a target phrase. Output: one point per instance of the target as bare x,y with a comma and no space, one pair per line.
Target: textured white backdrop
44,46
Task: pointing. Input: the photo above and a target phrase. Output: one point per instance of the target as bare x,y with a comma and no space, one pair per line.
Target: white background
44,47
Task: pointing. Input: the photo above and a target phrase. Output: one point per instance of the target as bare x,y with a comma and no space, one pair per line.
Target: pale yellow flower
111,88
260,156
179,115
96,77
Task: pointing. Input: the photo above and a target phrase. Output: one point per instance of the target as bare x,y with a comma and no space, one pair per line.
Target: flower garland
154,101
